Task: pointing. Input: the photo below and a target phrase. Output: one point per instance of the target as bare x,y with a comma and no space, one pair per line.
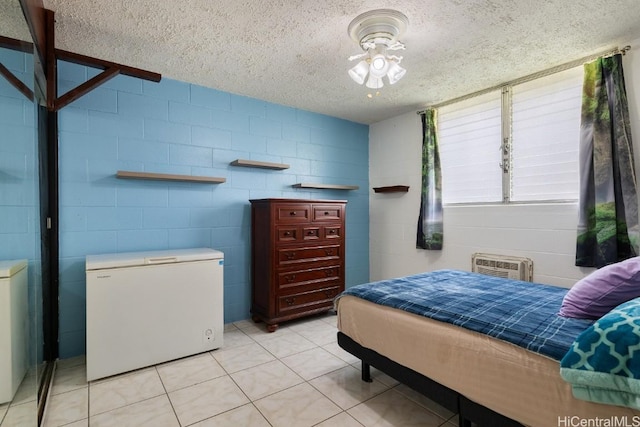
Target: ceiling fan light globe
379,65
359,73
374,82
395,73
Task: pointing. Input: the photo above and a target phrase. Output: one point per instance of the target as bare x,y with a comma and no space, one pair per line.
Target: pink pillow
604,289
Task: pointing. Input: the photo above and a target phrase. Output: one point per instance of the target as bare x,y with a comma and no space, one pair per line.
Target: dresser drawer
332,232
327,213
288,234
311,233
299,278
293,213
307,300
288,256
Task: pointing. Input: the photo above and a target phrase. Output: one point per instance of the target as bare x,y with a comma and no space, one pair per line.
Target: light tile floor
22,410
296,376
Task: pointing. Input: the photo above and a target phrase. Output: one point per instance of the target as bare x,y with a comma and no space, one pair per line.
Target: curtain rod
533,76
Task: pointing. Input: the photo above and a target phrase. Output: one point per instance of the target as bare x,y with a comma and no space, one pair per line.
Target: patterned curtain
430,219
608,223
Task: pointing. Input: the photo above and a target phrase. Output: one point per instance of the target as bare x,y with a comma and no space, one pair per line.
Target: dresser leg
272,328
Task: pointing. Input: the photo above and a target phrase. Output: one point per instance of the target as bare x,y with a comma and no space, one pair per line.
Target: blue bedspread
521,313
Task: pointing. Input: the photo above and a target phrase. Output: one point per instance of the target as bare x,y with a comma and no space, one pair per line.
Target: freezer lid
132,259
11,267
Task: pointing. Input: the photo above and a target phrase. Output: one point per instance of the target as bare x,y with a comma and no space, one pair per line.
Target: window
518,144
469,140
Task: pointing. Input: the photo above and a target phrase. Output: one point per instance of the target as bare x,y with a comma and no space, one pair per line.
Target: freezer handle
161,260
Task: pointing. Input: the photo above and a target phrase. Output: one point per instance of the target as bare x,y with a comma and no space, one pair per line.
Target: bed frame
469,413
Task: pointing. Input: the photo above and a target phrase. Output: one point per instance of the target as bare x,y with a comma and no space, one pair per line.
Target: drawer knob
290,255
290,300
329,251
311,232
332,231
326,213
290,278
287,233
329,273
293,213
328,293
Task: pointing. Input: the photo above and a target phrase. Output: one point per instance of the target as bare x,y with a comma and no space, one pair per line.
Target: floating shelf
326,186
169,177
257,164
392,189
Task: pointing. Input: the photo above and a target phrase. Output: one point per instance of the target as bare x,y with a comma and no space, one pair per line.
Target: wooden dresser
298,257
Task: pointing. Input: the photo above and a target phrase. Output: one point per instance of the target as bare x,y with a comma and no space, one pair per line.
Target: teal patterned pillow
603,364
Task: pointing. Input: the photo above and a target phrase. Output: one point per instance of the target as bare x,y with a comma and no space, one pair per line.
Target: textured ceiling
295,53
12,23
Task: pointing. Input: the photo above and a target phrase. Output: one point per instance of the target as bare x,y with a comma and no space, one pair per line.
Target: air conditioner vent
508,267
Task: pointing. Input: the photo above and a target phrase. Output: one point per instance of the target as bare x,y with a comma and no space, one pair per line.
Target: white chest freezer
14,327
145,308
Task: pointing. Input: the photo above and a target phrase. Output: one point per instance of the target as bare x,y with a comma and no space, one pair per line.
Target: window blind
546,137
469,140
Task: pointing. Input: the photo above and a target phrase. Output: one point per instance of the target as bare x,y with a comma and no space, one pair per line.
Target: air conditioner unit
509,267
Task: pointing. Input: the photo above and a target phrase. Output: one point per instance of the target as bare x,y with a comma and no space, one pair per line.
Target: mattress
522,313
501,376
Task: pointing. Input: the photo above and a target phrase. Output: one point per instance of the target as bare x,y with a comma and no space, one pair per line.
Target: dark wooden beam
111,69
14,44
20,46
16,82
35,16
88,61
50,63
38,17
86,87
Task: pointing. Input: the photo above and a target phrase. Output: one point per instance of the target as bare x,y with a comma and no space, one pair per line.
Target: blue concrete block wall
18,167
19,207
180,128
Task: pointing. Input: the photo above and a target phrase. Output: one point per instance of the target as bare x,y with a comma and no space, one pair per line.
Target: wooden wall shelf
169,177
257,164
326,186
392,189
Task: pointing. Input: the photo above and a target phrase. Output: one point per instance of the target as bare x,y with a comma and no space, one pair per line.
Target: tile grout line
231,378
166,393
308,381
303,379
88,403
245,395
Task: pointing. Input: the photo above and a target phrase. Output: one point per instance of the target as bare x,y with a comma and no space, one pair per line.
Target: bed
491,374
